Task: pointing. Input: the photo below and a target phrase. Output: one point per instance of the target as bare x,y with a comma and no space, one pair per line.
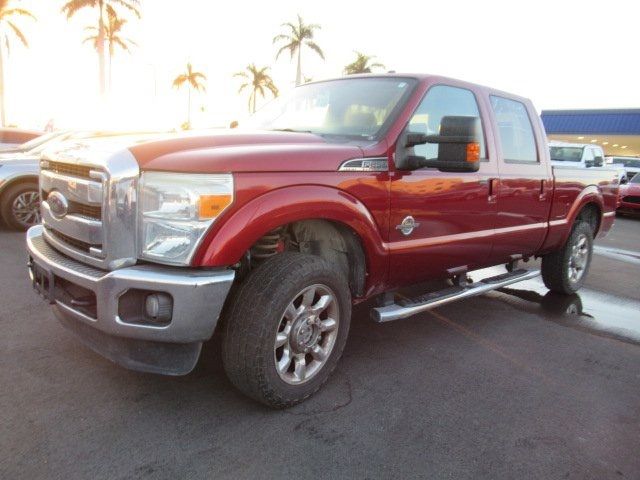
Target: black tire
255,313
555,266
9,197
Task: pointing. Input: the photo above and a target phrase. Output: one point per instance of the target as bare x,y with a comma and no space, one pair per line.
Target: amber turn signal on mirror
473,152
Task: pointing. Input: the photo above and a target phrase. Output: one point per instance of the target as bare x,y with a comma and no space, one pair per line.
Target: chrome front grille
95,222
87,211
68,169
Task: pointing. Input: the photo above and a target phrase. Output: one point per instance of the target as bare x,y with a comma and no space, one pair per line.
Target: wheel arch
17,180
300,205
589,202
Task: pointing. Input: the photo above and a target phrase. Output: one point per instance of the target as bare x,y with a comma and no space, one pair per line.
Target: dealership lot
506,385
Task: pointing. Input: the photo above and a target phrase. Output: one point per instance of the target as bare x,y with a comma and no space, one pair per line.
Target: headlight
176,209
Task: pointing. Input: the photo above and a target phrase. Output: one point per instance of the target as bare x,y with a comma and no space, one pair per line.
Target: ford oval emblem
57,204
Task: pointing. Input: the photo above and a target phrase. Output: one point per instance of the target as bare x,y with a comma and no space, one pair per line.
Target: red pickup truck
341,191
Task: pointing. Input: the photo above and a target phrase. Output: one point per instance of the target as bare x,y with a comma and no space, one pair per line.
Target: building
617,131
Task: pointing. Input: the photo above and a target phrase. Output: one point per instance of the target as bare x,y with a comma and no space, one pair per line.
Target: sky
560,53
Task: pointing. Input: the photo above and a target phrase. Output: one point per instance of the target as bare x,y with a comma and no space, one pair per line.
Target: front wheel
285,328
565,271
20,206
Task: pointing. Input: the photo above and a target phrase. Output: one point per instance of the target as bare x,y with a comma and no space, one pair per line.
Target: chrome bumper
198,297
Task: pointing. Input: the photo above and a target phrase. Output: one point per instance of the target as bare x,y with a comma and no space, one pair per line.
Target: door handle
543,193
494,185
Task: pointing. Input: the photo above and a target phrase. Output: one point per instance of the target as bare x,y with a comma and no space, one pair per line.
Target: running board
411,306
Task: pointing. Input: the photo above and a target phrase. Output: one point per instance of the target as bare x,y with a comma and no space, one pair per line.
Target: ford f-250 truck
341,191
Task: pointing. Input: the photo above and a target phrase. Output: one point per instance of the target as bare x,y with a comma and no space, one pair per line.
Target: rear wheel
285,328
20,206
565,271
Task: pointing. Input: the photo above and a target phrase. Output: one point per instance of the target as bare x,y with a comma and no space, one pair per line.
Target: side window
442,101
588,155
515,130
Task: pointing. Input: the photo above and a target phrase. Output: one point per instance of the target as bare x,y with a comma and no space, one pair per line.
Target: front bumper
88,300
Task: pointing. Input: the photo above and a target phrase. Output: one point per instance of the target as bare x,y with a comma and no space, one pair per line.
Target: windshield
352,107
566,154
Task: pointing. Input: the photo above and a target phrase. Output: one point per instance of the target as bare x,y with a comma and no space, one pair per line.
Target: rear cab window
515,130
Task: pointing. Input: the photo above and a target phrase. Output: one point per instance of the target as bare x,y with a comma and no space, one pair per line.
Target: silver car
19,191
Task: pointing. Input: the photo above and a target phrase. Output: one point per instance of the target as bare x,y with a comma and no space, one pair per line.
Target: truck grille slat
73,170
75,243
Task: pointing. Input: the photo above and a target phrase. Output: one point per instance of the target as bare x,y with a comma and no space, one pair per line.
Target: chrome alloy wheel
26,208
579,258
306,334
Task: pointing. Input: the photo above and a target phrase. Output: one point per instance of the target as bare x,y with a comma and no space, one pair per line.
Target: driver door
453,214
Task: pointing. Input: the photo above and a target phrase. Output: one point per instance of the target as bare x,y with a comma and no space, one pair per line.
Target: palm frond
71,7
314,46
280,37
19,12
179,81
272,88
93,39
131,5
292,47
18,34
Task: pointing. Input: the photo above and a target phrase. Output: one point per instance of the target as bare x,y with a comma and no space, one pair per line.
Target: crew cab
342,191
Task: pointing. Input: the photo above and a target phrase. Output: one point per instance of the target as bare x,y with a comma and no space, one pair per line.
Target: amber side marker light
473,152
210,206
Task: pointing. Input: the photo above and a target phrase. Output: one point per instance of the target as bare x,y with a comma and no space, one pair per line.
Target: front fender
19,172
226,243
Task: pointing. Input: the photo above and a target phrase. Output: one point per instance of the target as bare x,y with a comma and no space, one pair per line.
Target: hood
630,189
19,159
243,151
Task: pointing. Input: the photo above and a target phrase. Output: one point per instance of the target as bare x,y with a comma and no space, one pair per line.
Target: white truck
582,155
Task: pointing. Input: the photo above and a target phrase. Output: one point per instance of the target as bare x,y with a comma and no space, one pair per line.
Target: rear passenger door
525,185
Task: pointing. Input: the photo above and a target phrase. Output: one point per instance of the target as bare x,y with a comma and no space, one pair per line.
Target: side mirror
598,161
624,180
458,146
589,163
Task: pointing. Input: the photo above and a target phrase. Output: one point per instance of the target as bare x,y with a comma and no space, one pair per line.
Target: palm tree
104,8
7,29
113,30
193,80
299,35
258,80
361,64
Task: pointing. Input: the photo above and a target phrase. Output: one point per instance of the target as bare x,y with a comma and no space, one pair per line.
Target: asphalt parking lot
514,384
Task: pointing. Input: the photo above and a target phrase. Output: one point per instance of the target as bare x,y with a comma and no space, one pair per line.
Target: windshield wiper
289,130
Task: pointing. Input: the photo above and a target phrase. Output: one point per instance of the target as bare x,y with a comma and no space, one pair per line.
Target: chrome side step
407,308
